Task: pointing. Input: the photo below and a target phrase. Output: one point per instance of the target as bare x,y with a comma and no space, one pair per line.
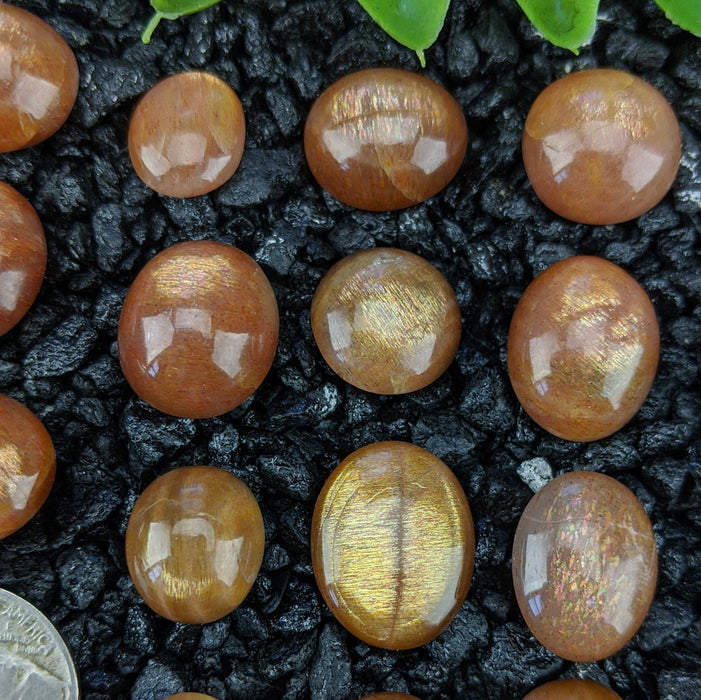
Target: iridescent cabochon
383,139
194,544
584,565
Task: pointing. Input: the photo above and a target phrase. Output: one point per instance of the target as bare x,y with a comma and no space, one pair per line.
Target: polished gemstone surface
383,139
22,256
584,565
572,689
38,79
386,321
198,330
195,543
186,135
190,696
27,465
583,348
393,544
601,146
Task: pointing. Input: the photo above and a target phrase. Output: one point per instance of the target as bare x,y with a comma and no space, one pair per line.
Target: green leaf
172,9
413,23
565,23
181,7
684,13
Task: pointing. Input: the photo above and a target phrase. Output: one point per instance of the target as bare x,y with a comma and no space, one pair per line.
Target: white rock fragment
535,473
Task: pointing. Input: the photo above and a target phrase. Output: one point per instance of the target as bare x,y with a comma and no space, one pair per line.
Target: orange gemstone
572,689
194,544
390,513
601,146
584,565
583,348
38,79
22,255
186,135
383,139
190,696
27,465
386,321
198,330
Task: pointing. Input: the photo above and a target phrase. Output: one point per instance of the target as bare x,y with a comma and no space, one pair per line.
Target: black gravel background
486,232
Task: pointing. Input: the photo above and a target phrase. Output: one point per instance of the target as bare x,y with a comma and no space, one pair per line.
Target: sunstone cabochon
27,465
22,257
198,330
601,146
386,321
583,348
186,135
194,544
393,544
384,138
39,78
584,565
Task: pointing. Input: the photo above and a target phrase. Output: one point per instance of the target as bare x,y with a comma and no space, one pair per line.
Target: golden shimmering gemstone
572,689
386,321
393,544
198,330
584,565
583,348
194,544
27,465
382,139
601,146
190,696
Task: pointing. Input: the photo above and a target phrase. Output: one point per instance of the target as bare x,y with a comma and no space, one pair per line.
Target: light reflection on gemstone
582,349
386,321
186,135
601,146
198,330
584,565
384,139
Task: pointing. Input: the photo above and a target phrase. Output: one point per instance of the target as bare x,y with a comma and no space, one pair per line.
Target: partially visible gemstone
38,79
393,544
194,544
383,139
22,256
198,330
572,689
186,135
190,696
584,565
601,146
27,465
583,348
386,321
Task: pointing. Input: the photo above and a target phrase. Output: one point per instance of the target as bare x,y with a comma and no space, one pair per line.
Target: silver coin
35,663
